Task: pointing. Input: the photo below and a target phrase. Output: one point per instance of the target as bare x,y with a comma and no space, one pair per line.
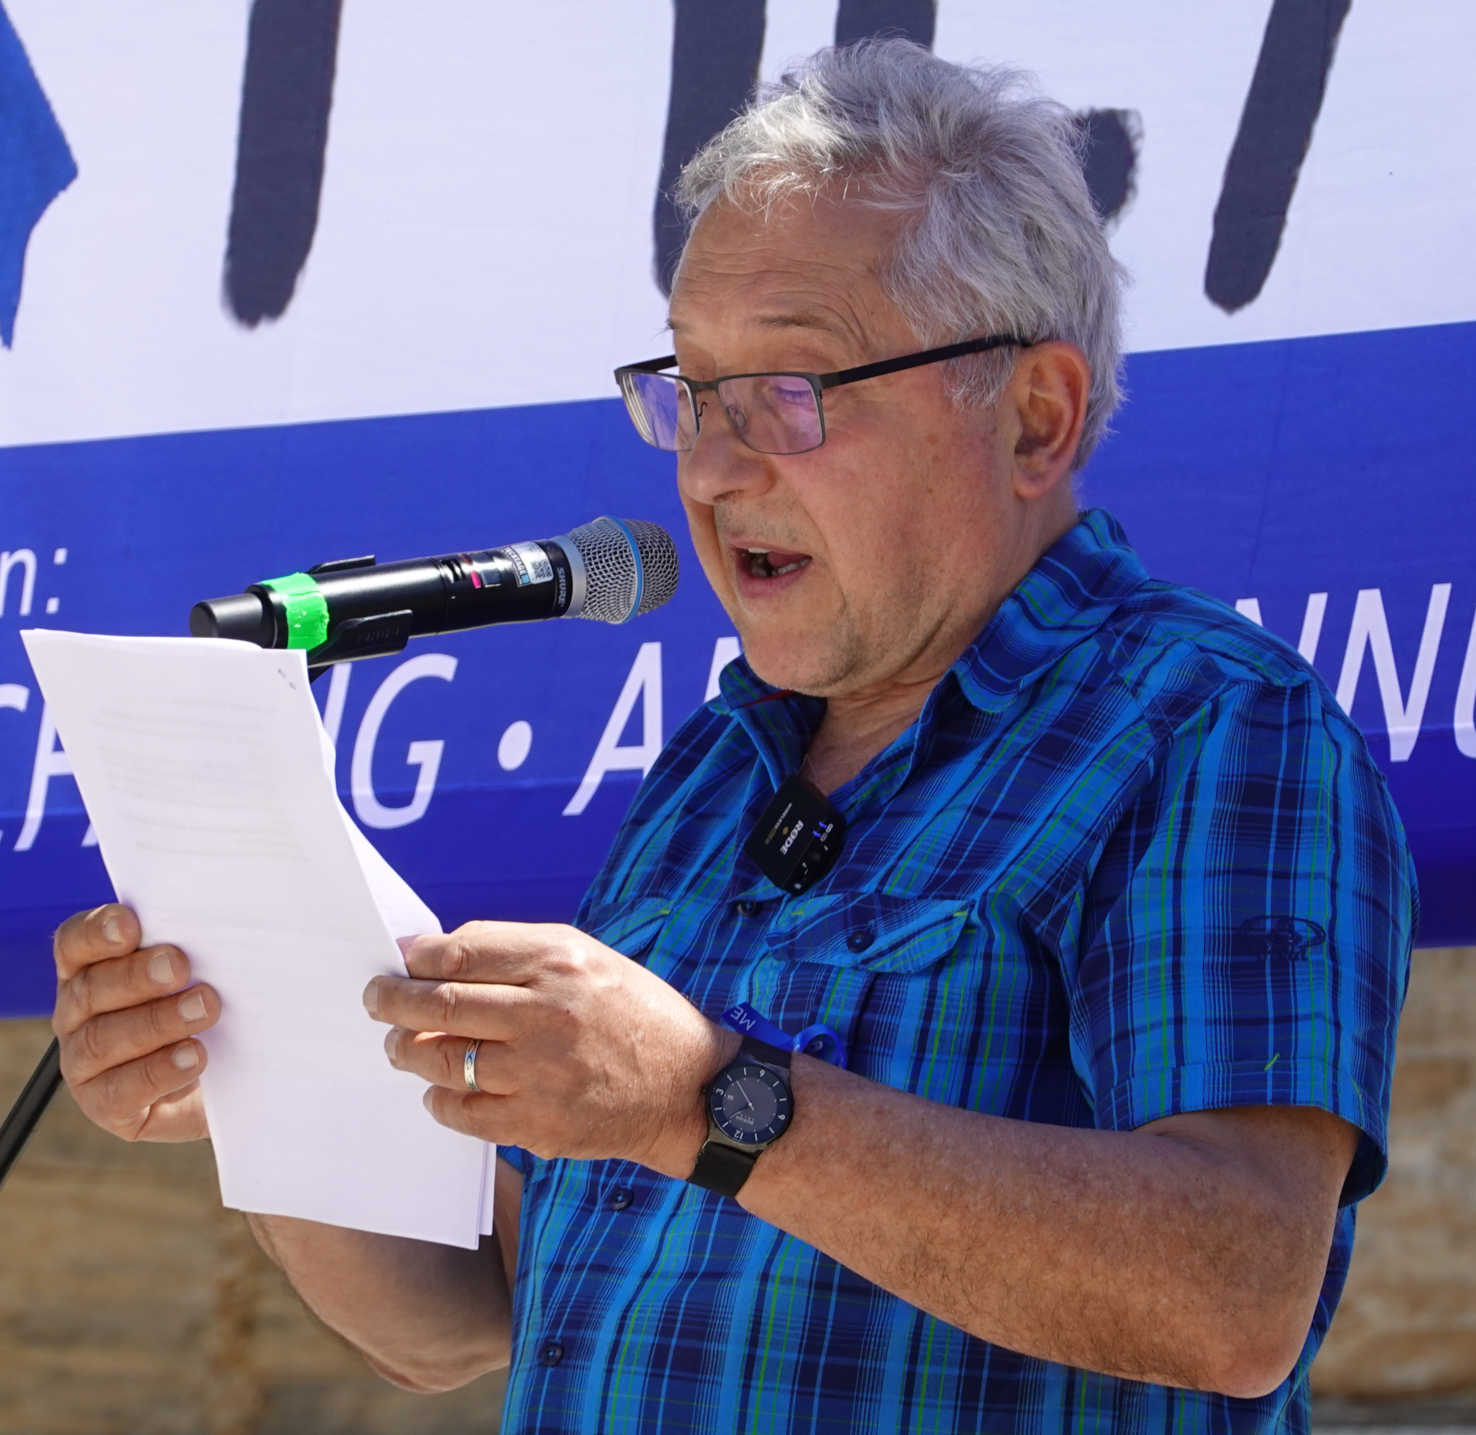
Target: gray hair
1001,235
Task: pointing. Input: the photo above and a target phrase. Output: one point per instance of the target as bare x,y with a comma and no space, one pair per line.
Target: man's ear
1049,392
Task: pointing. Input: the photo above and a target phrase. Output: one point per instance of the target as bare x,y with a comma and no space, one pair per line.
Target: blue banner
313,290
492,768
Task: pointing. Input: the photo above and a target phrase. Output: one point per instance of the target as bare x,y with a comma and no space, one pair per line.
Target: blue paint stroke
35,166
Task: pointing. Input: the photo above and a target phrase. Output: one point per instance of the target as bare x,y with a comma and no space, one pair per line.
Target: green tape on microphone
306,609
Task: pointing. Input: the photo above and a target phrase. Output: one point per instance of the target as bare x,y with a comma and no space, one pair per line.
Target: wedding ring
469,1066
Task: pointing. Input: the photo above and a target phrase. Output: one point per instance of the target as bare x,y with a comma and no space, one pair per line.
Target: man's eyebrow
804,319
800,319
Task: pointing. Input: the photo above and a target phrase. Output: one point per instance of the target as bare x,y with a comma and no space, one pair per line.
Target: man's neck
852,733
857,726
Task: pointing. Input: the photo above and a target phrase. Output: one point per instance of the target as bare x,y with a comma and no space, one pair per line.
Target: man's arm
427,1317
127,1020
1189,1251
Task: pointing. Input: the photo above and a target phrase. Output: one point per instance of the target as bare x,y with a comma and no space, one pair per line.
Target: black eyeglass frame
818,382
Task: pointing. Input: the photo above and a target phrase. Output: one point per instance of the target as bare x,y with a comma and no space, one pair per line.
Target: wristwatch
749,1107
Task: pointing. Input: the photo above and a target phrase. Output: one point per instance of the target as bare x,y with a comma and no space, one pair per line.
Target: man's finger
466,1009
88,937
471,1113
441,1060
117,1098
116,983
117,1038
507,952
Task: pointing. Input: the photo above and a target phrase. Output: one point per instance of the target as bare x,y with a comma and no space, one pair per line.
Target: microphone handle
417,596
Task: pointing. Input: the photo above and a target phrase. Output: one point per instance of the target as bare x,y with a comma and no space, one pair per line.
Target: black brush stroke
1275,133
1113,140
715,54
286,94
911,19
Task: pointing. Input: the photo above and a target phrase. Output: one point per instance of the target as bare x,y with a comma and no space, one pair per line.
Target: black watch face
750,1104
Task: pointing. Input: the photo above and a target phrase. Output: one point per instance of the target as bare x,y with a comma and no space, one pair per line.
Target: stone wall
130,1301
1407,1324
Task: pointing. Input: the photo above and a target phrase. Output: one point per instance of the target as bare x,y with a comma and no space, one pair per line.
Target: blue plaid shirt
1131,860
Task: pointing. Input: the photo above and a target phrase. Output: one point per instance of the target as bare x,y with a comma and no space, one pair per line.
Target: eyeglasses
771,413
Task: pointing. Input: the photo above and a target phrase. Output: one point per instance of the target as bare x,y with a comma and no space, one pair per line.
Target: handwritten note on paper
208,779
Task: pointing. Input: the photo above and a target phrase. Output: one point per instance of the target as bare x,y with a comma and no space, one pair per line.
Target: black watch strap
723,1167
762,1051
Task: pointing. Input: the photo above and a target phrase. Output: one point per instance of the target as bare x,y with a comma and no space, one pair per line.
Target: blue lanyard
817,1040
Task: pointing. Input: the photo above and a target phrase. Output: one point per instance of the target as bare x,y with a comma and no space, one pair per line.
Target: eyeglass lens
773,413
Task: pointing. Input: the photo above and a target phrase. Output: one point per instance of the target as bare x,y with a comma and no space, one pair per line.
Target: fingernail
192,1007
371,998
184,1057
427,1099
391,1041
112,928
161,969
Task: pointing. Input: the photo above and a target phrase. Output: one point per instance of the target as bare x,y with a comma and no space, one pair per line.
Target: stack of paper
209,782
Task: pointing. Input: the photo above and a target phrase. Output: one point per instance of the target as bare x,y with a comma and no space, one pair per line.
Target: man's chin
791,671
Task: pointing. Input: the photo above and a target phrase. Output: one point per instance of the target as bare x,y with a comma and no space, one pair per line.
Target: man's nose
719,462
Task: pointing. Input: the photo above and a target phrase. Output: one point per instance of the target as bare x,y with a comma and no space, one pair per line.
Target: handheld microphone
610,570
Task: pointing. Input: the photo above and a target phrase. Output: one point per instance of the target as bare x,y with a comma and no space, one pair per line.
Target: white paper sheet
209,781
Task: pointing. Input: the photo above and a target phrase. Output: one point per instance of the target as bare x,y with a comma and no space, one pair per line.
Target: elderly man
1088,883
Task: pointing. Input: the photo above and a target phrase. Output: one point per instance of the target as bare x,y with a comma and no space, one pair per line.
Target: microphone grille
631,567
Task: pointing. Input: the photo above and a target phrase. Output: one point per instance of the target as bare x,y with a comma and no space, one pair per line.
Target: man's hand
125,1023
425,1316
583,1054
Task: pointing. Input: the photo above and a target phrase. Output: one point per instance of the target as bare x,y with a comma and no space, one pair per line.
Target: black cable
29,1105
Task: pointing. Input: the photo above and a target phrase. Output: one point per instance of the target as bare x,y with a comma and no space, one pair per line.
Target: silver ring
469,1066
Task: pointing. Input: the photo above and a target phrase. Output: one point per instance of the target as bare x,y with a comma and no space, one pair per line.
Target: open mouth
771,562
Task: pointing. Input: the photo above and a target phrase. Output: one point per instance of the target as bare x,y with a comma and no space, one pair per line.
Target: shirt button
860,938
745,907
551,1354
620,1199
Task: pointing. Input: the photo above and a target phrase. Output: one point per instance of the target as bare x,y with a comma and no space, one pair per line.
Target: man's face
890,544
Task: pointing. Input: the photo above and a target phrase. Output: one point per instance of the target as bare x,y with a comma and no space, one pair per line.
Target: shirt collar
778,721
1068,594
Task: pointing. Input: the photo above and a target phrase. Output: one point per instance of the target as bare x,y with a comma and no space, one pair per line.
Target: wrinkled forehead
803,264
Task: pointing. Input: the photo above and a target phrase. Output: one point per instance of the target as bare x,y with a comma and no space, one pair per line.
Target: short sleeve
1247,931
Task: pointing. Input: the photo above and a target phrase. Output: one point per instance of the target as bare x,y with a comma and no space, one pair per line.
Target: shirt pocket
828,960
869,931
930,995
